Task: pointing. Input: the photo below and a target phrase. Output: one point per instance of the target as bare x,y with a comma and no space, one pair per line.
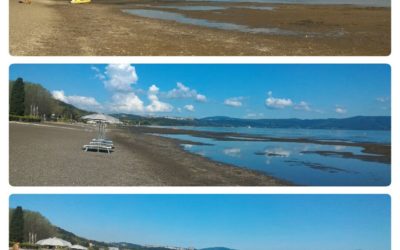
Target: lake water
376,3
169,12
375,136
178,17
287,161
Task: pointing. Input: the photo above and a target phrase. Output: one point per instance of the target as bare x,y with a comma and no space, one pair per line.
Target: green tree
17,225
17,99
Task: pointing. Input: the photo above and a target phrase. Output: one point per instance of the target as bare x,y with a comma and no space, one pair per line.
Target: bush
24,245
24,118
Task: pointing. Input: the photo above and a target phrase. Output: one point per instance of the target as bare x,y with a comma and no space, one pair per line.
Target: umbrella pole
99,130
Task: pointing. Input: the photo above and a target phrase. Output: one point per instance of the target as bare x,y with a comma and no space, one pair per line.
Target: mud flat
103,28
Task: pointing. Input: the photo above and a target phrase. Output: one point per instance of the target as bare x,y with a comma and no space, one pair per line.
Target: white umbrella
56,242
79,247
102,118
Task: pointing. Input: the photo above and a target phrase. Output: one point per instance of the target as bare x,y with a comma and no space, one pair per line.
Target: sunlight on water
294,162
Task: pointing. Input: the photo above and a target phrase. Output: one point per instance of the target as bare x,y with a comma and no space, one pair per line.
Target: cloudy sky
244,91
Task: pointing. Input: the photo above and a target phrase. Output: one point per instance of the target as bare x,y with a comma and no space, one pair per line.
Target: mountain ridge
349,123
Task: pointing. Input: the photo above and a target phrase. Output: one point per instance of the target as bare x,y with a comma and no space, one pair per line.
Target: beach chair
111,144
97,147
100,143
102,140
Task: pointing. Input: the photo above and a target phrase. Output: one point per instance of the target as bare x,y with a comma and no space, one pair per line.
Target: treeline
33,100
24,223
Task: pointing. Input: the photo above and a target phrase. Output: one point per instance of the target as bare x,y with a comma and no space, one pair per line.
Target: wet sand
55,27
52,155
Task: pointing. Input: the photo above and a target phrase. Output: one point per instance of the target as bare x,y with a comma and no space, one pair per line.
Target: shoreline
101,28
375,152
139,160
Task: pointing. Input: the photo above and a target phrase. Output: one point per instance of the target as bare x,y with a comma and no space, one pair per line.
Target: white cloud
382,99
234,101
277,152
156,105
277,103
99,74
126,103
59,95
340,110
201,98
154,89
233,152
182,91
82,102
189,108
302,106
119,77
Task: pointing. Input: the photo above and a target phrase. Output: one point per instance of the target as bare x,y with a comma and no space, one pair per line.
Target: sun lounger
102,140
102,143
97,147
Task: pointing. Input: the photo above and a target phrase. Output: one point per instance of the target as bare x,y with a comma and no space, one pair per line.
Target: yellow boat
81,1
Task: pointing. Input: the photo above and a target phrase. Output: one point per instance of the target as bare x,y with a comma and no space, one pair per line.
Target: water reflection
233,152
192,7
295,162
171,16
211,8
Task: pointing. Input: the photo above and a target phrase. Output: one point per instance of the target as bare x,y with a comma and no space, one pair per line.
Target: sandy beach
55,27
51,155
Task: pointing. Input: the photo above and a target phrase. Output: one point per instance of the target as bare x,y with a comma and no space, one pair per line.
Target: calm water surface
181,18
376,3
287,161
377,136
166,12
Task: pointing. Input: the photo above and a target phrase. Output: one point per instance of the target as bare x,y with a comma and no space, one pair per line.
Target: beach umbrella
55,242
79,247
101,118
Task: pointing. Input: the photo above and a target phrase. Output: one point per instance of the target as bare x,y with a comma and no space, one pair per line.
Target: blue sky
244,91
246,222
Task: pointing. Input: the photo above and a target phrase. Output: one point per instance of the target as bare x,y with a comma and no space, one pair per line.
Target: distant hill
40,225
351,123
217,248
36,94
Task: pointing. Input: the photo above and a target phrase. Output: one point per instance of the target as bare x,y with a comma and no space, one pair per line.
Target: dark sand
55,27
51,155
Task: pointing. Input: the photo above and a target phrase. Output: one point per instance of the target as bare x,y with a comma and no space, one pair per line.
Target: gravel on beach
52,155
